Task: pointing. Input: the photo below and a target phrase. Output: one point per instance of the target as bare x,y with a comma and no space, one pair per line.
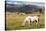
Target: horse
31,19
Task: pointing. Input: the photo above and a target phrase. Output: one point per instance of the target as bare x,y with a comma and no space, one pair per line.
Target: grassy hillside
14,21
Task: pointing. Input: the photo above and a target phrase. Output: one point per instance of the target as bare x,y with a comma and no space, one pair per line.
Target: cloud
28,0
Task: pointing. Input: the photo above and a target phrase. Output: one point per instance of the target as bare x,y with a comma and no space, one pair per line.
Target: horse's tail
38,19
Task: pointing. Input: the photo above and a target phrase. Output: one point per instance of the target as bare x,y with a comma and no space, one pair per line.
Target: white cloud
29,0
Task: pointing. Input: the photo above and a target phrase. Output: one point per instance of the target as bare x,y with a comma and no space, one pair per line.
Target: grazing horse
31,19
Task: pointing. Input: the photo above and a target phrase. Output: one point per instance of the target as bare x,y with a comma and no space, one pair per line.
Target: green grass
14,22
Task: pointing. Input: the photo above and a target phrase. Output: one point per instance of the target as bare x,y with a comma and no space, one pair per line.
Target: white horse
31,19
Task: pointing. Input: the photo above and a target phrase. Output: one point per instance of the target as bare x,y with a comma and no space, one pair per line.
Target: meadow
14,22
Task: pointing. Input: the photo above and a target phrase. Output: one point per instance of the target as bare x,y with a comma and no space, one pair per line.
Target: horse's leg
37,21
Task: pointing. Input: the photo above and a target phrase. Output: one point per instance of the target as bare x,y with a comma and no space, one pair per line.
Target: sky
26,2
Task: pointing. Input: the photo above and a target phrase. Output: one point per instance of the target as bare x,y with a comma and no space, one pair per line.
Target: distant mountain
21,7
